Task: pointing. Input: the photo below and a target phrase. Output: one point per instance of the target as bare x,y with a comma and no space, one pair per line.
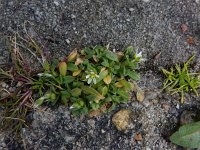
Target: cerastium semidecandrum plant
93,79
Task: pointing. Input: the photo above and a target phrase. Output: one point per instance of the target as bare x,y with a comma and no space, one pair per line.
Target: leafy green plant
94,78
180,80
187,136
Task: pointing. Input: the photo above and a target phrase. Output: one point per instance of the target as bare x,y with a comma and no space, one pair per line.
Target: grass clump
16,93
16,104
180,80
94,79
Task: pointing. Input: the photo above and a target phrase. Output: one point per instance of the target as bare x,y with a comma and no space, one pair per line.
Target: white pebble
146,1
56,3
73,16
3,85
131,9
68,41
177,106
103,131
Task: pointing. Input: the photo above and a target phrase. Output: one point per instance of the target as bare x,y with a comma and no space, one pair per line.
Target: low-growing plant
180,80
93,79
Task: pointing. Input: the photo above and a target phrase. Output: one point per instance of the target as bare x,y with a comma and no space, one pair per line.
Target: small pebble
3,85
11,89
19,84
177,106
68,41
73,16
147,148
91,123
103,131
187,117
165,106
146,1
56,3
131,9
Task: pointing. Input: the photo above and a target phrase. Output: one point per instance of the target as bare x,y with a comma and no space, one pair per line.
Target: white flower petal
139,54
89,81
94,80
87,76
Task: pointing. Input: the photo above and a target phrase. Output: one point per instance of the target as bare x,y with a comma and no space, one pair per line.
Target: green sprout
180,80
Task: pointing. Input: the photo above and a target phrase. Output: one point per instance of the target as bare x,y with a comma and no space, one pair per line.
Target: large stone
122,119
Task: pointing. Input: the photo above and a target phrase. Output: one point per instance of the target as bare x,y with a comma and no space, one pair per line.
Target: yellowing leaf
95,58
118,84
107,79
102,75
120,55
72,55
103,69
75,73
62,67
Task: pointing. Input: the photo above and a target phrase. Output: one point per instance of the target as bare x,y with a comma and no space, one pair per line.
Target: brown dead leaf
94,113
184,28
157,55
138,137
75,73
98,112
190,41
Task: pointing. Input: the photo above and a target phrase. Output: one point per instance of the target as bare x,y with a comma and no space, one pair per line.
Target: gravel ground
153,26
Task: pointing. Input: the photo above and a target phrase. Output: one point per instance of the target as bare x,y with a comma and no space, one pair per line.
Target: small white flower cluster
91,77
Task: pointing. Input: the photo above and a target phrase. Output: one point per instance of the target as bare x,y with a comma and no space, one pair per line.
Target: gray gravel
151,25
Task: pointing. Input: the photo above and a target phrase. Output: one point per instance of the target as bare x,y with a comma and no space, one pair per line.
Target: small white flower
138,56
91,77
